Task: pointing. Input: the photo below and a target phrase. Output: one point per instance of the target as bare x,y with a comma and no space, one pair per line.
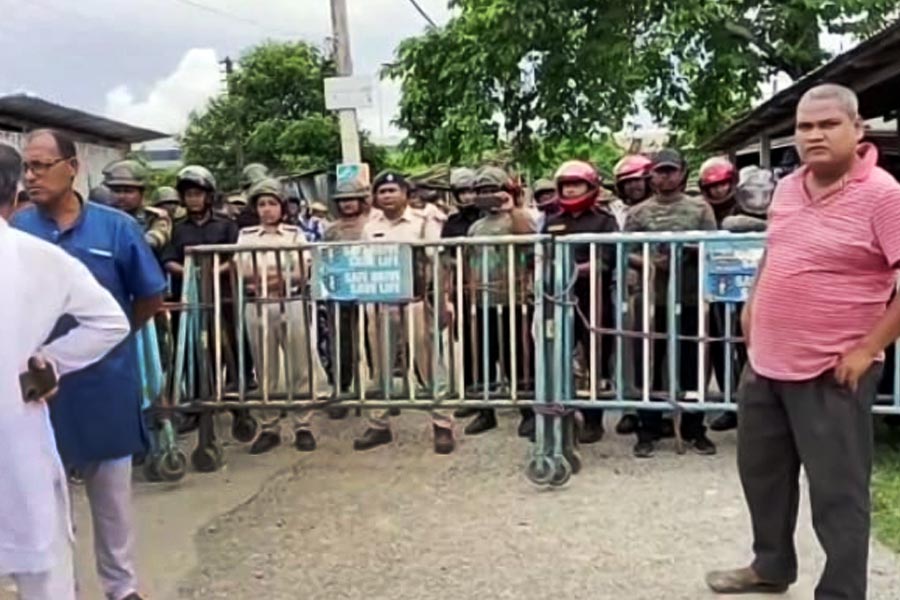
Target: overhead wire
423,13
235,17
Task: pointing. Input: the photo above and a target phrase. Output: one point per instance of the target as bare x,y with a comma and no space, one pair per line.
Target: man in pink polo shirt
816,326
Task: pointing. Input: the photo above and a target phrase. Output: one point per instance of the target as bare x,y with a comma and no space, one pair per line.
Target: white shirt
40,283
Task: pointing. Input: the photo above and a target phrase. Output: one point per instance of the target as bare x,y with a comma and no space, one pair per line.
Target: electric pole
341,32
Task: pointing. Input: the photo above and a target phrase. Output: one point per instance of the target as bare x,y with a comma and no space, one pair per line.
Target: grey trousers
108,487
826,428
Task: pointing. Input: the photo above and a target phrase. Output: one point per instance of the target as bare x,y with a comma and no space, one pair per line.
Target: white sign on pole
344,93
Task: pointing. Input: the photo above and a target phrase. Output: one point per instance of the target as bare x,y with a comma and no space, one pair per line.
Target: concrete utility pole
349,130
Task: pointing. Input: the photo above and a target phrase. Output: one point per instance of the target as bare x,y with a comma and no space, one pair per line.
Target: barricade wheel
171,465
151,473
562,473
540,470
574,459
243,429
205,459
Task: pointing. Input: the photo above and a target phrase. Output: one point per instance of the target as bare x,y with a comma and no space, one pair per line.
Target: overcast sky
150,62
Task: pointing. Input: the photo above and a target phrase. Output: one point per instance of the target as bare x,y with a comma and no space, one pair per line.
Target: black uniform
597,219
213,230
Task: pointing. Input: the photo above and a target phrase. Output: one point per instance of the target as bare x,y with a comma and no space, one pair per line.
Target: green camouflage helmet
196,175
125,173
266,187
166,195
544,185
350,190
462,179
253,173
491,176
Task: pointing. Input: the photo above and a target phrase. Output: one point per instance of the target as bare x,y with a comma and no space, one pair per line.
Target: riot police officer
127,180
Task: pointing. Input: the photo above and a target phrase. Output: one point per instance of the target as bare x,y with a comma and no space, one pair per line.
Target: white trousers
59,582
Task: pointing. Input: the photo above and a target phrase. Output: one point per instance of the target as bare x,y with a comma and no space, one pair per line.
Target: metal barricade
676,343
480,323
430,326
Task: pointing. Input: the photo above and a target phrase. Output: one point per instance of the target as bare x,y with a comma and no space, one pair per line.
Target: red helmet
580,172
717,170
633,166
714,171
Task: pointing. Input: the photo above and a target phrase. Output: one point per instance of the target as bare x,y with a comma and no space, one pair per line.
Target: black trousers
344,329
826,428
582,330
650,421
738,351
501,339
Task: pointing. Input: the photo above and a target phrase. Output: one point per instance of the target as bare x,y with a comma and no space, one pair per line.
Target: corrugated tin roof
866,69
42,113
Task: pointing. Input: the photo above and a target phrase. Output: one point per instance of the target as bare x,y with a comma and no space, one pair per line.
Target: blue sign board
363,273
731,268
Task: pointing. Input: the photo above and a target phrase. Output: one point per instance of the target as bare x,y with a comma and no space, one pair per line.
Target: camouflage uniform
491,296
684,213
344,317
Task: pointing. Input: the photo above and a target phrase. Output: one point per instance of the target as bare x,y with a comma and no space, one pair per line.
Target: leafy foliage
274,113
539,74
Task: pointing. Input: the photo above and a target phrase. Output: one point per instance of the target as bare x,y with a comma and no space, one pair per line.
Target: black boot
627,425
724,422
592,431
465,412
266,441
304,440
373,438
443,440
337,414
485,421
526,425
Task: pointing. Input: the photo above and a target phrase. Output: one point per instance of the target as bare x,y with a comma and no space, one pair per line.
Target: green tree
532,73
274,113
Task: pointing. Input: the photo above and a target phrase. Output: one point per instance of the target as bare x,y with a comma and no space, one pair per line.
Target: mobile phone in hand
37,381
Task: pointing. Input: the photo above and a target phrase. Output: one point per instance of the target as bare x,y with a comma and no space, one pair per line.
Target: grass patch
886,488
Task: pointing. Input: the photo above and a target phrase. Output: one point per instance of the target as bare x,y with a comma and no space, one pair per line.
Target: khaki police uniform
409,227
279,331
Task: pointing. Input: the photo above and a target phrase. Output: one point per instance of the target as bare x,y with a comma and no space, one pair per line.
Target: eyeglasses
41,168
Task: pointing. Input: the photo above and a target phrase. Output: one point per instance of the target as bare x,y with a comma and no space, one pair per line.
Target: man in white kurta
38,284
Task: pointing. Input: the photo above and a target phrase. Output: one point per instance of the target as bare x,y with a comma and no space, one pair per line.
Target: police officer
251,174
582,210
167,199
196,187
286,334
497,195
669,209
397,222
350,206
127,180
462,187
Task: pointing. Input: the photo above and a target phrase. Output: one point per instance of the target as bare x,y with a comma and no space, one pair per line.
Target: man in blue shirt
97,412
